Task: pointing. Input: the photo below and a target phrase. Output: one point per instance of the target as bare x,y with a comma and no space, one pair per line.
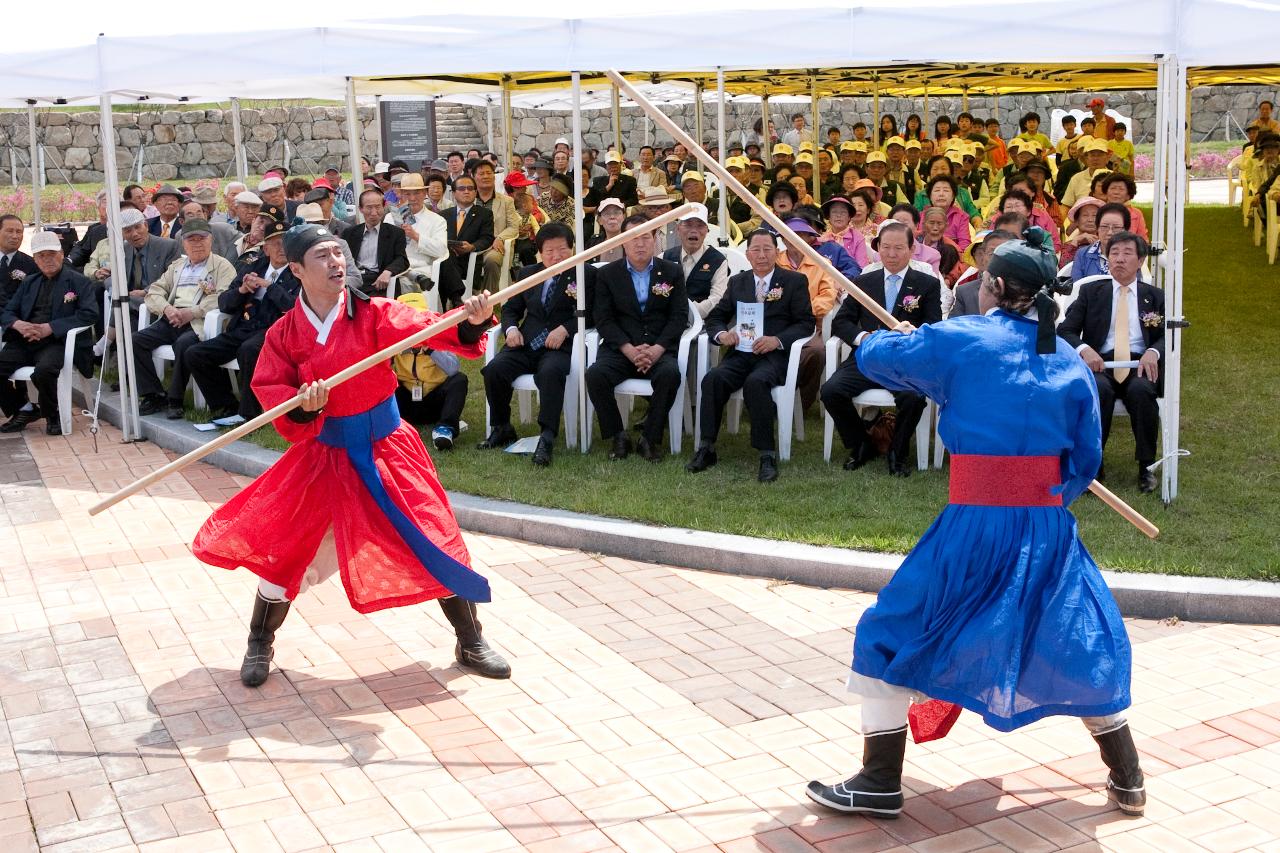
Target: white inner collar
325,326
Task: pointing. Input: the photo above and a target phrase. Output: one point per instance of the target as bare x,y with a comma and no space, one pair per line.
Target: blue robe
999,609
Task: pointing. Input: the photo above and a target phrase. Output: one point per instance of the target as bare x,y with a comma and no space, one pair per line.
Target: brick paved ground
651,709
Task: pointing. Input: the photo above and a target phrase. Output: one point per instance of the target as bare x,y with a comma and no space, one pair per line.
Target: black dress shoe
621,447
53,427
499,436
861,456
648,451
898,467
703,459
768,468
542,453
174,411
152,405
19,422
1146,480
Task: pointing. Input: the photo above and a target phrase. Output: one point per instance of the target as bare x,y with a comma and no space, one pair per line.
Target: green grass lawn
1223,523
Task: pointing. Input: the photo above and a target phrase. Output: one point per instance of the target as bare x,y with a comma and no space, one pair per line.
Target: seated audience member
438,197
782,199
323,195
1082,222
229,193
908,295
313,214
653,203
557,201
47,304
254,301
1092,259
787,321
506,224
923,257
610,214
146,257
178,301
647,174
706,270
470,229
246,208
640,313
1119,188
823,295
1042,199
431,389
539,326
426,239
15,264
843,229
83,249
1016,201
933,224
941,191
224,236
1096,154
1121,319
380,248
1121,149
168,201
966,292
272,192
617,185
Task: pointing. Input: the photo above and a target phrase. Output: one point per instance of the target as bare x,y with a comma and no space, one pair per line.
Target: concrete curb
1148,596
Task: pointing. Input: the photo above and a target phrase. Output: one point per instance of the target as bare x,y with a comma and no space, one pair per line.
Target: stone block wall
181,144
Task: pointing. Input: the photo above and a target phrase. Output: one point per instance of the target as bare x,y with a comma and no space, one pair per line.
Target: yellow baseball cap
783,148
848,146
691,175
1096,145
736,163
913,144
804,157
861,146
806,146
897,140
876,157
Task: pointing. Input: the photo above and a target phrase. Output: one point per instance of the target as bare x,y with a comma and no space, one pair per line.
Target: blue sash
356,434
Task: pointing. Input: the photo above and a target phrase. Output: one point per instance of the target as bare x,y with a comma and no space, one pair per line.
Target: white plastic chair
837,352
736,259
1166,446
215,323
1235,181
786,397
66,378
525,388
629,389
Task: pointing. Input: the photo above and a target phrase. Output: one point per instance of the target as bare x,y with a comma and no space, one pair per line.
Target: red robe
274,527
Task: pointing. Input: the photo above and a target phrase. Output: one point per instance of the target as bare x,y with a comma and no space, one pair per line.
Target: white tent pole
1173,295
129,425
813,113
875,111
766,145
509,144
1161,138
722,137
617,121
579,243
354,134
237,142
488,122
697,114
36,176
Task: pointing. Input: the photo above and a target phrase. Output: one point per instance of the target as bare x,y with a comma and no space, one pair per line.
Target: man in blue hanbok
999,608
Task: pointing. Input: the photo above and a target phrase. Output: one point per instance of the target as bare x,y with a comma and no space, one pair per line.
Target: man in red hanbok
357,493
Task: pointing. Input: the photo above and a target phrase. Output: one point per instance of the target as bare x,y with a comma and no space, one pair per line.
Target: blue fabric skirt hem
1005,724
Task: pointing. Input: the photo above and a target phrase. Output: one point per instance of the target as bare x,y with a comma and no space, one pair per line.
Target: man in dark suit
93,235
539,326
168,201
1121,318
15,264
967,292
641,311
615,184
470,230
788,321
378,247
255,300
35,322
908,295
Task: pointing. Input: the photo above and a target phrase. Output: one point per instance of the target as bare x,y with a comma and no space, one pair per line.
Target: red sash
1005,480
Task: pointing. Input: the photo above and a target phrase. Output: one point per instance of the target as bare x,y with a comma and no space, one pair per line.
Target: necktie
761,287
891,291
164,229
4,267
546,294
135,273
1121,333
462,214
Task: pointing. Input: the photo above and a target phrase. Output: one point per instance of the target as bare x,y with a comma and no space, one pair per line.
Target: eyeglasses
1110,227
464,189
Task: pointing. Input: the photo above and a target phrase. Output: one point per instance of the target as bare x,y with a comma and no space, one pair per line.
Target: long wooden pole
448,321
730,182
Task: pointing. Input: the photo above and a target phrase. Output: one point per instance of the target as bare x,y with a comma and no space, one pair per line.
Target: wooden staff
729,182
448,321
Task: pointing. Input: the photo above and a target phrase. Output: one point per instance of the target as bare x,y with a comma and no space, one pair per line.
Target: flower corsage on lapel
17,275
208,285
571,289
1152,319
69,297
773,294
661,288
911,304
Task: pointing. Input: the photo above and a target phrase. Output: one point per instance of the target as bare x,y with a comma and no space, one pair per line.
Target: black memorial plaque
408,131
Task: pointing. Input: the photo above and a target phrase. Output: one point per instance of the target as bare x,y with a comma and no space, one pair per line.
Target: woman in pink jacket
941,192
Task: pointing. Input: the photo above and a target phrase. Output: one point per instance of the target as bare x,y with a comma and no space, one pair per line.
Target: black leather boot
266,620
1124,783
472,651
877,789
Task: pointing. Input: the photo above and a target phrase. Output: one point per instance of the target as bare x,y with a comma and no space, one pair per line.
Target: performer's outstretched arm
906,362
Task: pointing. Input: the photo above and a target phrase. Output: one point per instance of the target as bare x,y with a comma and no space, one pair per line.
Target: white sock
29,407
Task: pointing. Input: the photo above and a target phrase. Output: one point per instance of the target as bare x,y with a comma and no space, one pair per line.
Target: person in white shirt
425,232
798,133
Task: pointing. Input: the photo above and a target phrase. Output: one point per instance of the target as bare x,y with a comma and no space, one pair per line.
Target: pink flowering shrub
1206,164
66,204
